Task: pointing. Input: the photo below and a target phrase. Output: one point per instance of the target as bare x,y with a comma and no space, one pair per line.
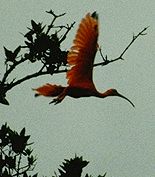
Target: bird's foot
55,101
59,98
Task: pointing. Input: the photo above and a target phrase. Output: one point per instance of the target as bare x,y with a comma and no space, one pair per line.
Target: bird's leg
60,97
57,100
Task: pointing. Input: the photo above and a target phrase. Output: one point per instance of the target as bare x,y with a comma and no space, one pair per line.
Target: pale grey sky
109,133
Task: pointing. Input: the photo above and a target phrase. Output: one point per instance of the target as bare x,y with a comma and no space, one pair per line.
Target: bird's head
113,92
95,15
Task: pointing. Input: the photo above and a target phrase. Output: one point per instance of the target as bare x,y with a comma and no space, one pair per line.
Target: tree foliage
43,45
17,159
73,168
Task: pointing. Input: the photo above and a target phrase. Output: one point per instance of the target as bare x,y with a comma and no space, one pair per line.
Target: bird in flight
81,59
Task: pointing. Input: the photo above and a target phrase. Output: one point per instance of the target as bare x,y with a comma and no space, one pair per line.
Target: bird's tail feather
49,90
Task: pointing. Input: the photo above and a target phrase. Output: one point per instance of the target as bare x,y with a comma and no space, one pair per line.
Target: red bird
80,58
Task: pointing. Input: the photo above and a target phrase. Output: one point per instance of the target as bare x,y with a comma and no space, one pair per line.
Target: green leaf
22,133
36,27
31,160
17,50
29,35
28,151
35,175
9,55
10,161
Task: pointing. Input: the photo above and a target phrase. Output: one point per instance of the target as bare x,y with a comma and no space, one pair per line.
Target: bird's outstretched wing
49,90
82,53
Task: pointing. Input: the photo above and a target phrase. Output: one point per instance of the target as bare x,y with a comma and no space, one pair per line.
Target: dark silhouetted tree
17,160
16,157
73,168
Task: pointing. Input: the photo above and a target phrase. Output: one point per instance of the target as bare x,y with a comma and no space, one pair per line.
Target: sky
115,137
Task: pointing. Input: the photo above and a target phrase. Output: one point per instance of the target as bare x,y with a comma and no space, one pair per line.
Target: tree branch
105,59
12,67
18,165
54,18
68,29
36,74
31,76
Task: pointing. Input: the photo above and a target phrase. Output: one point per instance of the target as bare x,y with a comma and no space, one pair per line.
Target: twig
68,29
54,18
141,33
12,67
106,61
18,165
28,168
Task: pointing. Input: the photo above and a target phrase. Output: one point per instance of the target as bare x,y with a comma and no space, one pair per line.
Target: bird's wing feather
82,53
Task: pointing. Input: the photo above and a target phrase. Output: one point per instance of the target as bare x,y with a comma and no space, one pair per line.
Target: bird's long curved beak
126,99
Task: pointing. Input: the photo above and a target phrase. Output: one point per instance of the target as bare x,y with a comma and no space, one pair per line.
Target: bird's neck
104,94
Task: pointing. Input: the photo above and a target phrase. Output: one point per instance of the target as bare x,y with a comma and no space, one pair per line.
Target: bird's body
81,59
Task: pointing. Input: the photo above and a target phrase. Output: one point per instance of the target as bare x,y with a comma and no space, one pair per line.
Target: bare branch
134,38
18,165
106,61
31,76
36,74
68,29
54,18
